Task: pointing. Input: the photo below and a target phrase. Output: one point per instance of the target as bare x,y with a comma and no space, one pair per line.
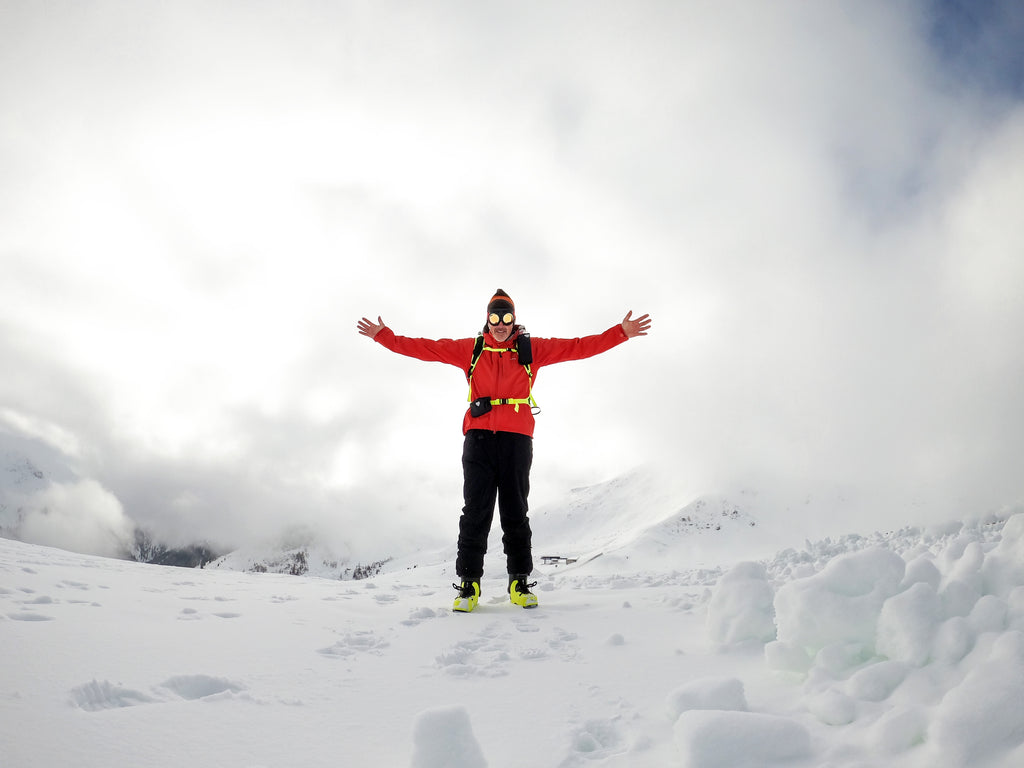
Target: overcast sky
817,202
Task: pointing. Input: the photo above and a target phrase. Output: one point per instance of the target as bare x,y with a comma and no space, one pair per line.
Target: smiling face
502,329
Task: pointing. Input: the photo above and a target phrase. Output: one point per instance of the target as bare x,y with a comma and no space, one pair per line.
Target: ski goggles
506,318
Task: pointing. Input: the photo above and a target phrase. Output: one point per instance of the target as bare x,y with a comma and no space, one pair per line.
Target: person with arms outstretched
501,365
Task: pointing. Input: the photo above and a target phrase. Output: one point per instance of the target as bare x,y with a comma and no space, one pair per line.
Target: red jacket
499,374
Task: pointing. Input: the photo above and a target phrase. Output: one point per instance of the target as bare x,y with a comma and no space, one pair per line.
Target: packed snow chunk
1015,609
1004,567
953,640
841,603
967,568
742,606
878,681
922,570
988,615
907,624
786,657
982,719
716,739
833,707
1009,647
725,693
958,598
443,738
838,659
898,730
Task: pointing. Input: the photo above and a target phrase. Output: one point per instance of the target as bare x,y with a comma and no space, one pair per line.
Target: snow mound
742,607
723,693
443,738
840,604
706,739
982,716
922,649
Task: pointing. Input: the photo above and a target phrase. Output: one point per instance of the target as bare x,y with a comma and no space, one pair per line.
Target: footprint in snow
526,625
419,614
595,740
41,600
363,641
73,584
484,655
96,696
489,653
193,687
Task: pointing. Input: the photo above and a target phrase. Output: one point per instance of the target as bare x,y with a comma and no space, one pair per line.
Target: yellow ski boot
519,590
469,596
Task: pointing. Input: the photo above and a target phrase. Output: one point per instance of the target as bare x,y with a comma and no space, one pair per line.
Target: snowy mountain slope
903,649
26,469
21,479
629,510
629,516
312,559
640,517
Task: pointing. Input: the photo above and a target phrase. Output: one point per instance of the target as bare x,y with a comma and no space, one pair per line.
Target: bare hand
370,328
638,327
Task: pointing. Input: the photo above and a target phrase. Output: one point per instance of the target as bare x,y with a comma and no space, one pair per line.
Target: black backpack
524,353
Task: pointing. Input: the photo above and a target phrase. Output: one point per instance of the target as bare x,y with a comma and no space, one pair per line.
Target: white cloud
200,201
81,516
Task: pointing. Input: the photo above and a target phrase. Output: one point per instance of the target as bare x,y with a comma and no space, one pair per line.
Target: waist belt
516,401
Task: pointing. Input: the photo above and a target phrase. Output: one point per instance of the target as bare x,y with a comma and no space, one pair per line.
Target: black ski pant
495,465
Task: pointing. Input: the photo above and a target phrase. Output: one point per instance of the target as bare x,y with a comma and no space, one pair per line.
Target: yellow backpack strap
524,351
478,347
531,399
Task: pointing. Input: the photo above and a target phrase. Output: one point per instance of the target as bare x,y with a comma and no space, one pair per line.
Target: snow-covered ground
897,649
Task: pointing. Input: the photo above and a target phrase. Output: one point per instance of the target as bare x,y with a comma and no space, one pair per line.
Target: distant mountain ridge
26,469
635,515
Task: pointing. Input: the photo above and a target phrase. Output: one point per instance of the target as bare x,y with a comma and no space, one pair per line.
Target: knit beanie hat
501,302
